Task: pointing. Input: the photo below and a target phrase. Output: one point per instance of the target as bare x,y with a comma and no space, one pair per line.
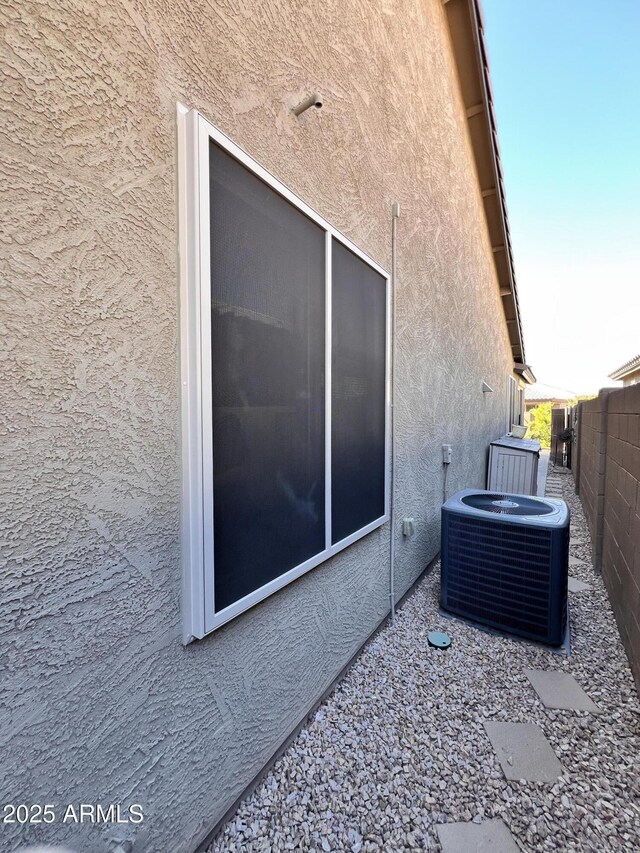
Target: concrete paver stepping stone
490,836
576,561
524,752
560,690
577,586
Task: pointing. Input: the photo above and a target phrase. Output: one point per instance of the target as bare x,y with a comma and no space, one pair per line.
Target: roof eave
464,18
630,367
525,371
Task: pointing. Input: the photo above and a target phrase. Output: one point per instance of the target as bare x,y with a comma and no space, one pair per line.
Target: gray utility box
513,465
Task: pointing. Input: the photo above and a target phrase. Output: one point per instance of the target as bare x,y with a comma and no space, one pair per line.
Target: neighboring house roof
467,39
629,367
540,393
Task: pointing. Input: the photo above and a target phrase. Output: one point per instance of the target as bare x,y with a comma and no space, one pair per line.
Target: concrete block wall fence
608,482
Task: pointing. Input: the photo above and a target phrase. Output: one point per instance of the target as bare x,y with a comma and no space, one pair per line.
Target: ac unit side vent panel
494,572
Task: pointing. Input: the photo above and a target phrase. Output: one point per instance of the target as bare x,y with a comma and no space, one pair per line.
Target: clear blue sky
566,85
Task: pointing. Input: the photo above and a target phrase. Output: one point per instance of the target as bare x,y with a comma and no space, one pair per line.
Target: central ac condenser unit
505,562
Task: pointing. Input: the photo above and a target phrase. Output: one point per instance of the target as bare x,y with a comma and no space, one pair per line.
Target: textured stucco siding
100,702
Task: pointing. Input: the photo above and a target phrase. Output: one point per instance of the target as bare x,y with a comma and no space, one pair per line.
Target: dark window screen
267,331
358,394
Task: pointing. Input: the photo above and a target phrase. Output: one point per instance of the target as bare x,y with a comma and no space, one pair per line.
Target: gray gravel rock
400,745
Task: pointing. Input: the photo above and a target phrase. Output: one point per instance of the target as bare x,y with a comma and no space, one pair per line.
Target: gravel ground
400,745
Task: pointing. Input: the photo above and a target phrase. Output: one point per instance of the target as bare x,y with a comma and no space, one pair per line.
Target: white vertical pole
327,390
395,214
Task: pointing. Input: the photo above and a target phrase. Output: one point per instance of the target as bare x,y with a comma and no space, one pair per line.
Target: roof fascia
464,18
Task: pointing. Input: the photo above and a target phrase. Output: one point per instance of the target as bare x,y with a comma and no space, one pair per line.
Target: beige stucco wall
100,701
632,378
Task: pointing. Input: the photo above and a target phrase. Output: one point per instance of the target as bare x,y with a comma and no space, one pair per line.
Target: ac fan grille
499,573
498,503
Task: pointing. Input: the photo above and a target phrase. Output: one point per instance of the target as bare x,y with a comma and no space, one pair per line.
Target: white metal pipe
444,485
395,214
314,100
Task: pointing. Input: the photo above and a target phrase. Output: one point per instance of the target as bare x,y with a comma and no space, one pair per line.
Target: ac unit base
564,649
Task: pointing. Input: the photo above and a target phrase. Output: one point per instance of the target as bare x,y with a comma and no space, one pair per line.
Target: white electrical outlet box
408,527
446,454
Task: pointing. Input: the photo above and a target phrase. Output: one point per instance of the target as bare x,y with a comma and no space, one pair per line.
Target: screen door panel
268,339
358,393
